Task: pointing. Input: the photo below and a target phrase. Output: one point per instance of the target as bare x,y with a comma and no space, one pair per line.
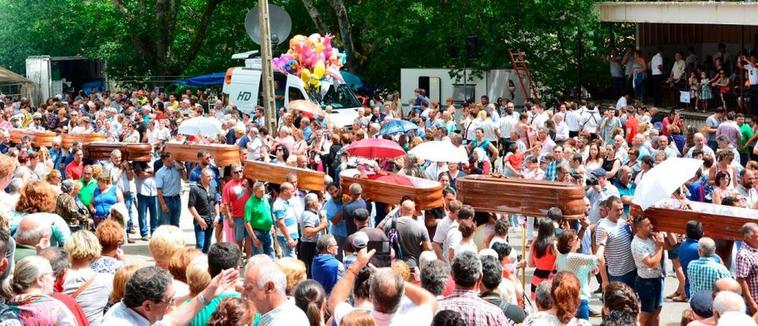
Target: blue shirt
625,191
332,208
687,254
169,181
327,270
284,210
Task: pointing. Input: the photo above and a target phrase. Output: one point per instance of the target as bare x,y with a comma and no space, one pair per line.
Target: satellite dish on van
281,25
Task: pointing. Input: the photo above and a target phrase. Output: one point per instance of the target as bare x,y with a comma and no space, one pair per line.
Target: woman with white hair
480,163
284,137
32,303
70,208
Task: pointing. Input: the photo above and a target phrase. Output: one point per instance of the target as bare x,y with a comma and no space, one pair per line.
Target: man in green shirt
258,221
747,133
88,186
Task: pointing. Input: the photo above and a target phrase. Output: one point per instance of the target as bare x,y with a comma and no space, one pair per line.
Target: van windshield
339,98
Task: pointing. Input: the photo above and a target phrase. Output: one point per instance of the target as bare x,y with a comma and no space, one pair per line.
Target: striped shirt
705,271
618,253
284,210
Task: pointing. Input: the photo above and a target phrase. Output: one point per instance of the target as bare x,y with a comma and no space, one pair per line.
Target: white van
242,86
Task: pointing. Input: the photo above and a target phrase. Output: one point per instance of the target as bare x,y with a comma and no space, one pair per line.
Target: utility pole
267,78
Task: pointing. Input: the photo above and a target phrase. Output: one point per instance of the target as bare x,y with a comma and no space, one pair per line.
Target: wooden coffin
274,173
137,152
68,139
426,193
719,222
520,196
39,138
223,154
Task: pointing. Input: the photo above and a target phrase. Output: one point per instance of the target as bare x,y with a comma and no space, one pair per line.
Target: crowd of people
279,255
682,77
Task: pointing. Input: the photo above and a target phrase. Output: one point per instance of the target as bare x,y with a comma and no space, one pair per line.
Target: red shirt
235,196
517,161
73,306
74,171
633,125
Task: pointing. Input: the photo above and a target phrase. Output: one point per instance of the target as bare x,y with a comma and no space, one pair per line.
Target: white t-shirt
642,248
573,120
752,74
406,313
656,61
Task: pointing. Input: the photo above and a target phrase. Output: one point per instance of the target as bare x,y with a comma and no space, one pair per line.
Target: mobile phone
382,257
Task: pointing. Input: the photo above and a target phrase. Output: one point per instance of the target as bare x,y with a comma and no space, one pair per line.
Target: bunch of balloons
312,59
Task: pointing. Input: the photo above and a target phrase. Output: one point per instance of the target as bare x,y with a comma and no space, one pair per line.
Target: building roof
9,77
697,12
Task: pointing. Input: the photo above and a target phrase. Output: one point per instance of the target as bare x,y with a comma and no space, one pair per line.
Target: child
705,90
694,88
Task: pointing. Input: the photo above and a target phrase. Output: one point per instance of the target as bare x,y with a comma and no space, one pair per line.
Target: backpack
394,237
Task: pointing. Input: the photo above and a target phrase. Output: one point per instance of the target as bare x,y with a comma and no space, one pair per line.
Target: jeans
203,237
174,211
129,202
628,278
286,250
147,204
584,310
267,244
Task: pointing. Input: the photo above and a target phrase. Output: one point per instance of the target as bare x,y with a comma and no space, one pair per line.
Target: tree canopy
563,40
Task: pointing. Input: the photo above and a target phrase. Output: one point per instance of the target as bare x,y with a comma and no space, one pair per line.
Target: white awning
717,13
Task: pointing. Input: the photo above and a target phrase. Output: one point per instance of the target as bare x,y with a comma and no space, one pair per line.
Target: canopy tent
14,84
214,79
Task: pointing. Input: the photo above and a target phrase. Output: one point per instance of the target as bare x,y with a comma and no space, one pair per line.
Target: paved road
670,316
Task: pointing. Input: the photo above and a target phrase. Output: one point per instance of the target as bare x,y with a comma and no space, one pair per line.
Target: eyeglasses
237,171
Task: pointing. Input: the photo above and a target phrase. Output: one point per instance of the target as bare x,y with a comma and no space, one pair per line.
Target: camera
591,181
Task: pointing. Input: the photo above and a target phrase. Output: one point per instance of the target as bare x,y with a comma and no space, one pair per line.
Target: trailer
441,84
56,75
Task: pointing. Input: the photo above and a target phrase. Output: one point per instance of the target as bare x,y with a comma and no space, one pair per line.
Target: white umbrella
440,151
661,181
201,126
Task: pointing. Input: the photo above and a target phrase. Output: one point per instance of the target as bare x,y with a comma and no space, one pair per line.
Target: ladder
522,72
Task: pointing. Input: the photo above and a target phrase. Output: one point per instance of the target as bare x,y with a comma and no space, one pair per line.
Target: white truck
242,86
440,85
54,75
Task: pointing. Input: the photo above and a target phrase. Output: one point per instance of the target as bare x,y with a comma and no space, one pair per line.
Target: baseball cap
359,240
599,172
701,304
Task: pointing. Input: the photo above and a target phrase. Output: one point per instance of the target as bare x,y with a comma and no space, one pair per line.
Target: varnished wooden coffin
719,222
426,193
68,139
136,152
274,173
520,196
39,138
223,154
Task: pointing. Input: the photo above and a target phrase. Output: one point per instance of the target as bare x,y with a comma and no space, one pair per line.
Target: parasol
375,148
661,181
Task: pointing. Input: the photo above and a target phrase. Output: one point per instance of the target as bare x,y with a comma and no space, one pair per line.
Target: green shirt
258,214
747,133
204,315
87,192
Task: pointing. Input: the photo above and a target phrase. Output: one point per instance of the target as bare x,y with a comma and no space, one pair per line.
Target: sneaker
130,240
146,238
594,313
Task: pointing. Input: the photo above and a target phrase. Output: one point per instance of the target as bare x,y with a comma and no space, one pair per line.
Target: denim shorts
650,292
240,232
